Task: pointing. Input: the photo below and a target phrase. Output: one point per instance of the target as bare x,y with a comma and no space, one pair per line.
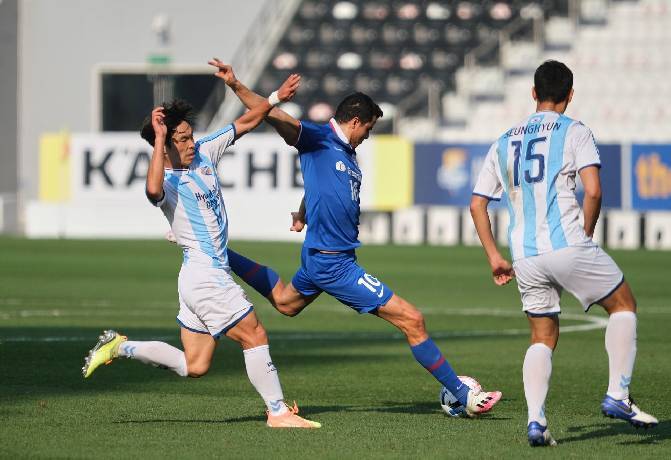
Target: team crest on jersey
340,166
206,170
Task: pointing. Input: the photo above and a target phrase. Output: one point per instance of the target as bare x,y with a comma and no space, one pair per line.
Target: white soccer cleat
481,402
627,410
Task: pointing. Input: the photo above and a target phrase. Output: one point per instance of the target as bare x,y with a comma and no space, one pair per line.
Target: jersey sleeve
309,137
488,184
158,203
584,146
216,143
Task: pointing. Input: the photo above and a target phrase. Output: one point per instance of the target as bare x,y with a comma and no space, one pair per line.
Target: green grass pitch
354,374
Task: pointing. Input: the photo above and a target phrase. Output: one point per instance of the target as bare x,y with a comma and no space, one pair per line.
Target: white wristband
274,99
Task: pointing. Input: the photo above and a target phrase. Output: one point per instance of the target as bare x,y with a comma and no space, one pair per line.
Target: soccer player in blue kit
330,210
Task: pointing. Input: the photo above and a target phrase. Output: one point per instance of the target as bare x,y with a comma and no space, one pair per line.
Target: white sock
263,375
536,373
621,348
158,354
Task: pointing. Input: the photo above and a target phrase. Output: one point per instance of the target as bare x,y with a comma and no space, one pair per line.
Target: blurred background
79,76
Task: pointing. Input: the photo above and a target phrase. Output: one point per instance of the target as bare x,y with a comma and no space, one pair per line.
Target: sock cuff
541,346
623,314
256,349
426,345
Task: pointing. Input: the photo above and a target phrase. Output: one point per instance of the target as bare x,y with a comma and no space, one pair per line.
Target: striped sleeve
583,146
488,184
214,145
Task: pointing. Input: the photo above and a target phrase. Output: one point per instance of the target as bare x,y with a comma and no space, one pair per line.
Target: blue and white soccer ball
450,403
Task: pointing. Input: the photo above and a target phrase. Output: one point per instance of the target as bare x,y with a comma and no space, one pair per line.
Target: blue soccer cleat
627,410
539,435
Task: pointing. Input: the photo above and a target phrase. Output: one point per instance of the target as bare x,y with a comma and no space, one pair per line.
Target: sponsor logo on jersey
206,170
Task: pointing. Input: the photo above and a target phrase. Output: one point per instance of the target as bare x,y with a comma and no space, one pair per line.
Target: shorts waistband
330,253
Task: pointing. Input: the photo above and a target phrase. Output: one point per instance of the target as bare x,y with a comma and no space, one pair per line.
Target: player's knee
197,369
259,336
414,321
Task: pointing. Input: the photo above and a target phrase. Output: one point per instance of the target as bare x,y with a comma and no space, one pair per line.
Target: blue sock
262,279
429,356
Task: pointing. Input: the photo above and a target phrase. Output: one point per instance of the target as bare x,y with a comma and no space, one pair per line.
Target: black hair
553,82
358,105
175,112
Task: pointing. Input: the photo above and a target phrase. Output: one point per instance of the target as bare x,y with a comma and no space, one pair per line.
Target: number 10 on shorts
372,284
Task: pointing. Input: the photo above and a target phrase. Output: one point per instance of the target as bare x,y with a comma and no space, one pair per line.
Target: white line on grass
590,323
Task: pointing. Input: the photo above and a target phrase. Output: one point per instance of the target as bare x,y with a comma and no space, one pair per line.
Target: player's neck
173,163
549,106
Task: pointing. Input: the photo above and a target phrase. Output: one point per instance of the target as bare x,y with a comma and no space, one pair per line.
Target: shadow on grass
390,407
660,433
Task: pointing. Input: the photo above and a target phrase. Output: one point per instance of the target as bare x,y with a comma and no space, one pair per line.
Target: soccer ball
450,403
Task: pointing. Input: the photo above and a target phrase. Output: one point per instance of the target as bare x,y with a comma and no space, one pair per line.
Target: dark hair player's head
553,82
175,112
358,105
359,113
179,142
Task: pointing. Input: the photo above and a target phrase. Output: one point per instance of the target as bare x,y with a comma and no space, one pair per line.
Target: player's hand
297,222
171,237
502,271
289,87
157,122
224,71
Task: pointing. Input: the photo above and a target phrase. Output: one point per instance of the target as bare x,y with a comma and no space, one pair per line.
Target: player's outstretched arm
154,188
591,205
285,125
502,271
255,116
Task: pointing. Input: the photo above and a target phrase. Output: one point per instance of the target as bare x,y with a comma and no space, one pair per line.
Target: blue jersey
332,181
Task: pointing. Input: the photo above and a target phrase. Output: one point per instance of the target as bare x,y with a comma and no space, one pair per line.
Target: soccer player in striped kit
182,181
535,164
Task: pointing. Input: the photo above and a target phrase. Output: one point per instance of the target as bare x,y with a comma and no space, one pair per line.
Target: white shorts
587,272
210,301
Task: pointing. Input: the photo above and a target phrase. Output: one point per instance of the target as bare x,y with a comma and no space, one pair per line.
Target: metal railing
250,59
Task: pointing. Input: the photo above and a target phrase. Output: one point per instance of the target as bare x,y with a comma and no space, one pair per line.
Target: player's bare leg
264,280
621,348
536,372
198,352
410,321
287,300
251,336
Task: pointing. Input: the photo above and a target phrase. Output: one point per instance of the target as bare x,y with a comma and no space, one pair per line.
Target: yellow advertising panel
393,173
54,167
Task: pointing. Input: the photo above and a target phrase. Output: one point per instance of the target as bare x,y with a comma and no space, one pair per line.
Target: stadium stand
619,64
405,54
442,70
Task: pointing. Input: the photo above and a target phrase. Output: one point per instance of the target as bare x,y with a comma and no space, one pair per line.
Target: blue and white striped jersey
535,163
193,203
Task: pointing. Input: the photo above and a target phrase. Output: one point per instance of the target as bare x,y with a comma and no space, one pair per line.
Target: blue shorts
340,276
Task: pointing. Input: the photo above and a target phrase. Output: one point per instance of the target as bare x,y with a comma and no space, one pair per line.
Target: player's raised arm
154,189
285,125
256,114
